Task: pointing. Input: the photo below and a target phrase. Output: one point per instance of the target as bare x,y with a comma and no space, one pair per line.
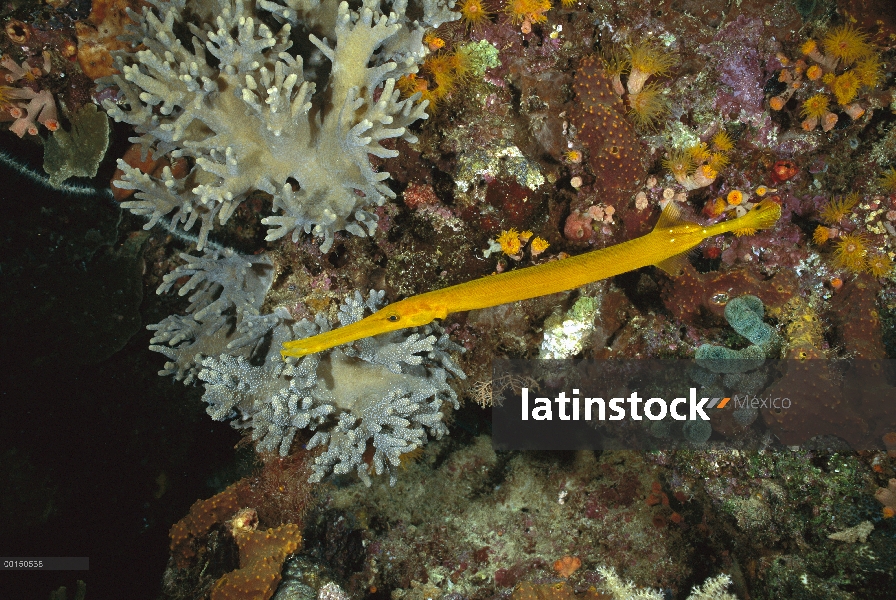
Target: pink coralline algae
417,196
780,248
736,54
578,227
581,224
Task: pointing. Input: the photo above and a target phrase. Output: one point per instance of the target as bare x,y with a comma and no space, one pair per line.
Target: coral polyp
680,163
531,11
815,107
880,265
821,235
809,47
722,141
510,242
538,246
847,44
719,160
869,70
574,156
648,107
851,251
647,59
616,60
440,68
735,197
474,14
696,166
837,208
440,74
845,87
707,172
700,152
887,180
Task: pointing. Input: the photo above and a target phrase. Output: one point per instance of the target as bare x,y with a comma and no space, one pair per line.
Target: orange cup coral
567,565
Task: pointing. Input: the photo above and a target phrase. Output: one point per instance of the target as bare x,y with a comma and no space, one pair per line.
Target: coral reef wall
298,165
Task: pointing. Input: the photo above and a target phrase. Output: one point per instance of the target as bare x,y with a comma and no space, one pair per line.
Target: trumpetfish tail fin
671,224
763,216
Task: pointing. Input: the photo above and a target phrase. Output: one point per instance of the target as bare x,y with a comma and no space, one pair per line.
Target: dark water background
99,456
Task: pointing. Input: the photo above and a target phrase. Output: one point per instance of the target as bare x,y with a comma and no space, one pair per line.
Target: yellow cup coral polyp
880,265
648,106
510,242
815,107
845,87
847,44
837,208
851,252
527,10
538,246
722,141
887,180
821,235
680,163
474,13
646,60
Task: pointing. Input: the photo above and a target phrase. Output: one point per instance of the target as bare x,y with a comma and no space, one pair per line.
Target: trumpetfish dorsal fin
670,218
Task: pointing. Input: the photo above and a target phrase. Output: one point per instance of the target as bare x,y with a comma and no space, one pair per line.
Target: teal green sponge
720,359
697,432
744,314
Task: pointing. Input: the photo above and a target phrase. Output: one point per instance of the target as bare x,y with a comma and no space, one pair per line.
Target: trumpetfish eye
393,318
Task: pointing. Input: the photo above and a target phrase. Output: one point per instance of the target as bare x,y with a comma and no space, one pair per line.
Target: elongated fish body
662,247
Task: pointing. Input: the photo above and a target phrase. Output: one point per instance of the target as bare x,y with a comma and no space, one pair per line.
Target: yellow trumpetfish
663,247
